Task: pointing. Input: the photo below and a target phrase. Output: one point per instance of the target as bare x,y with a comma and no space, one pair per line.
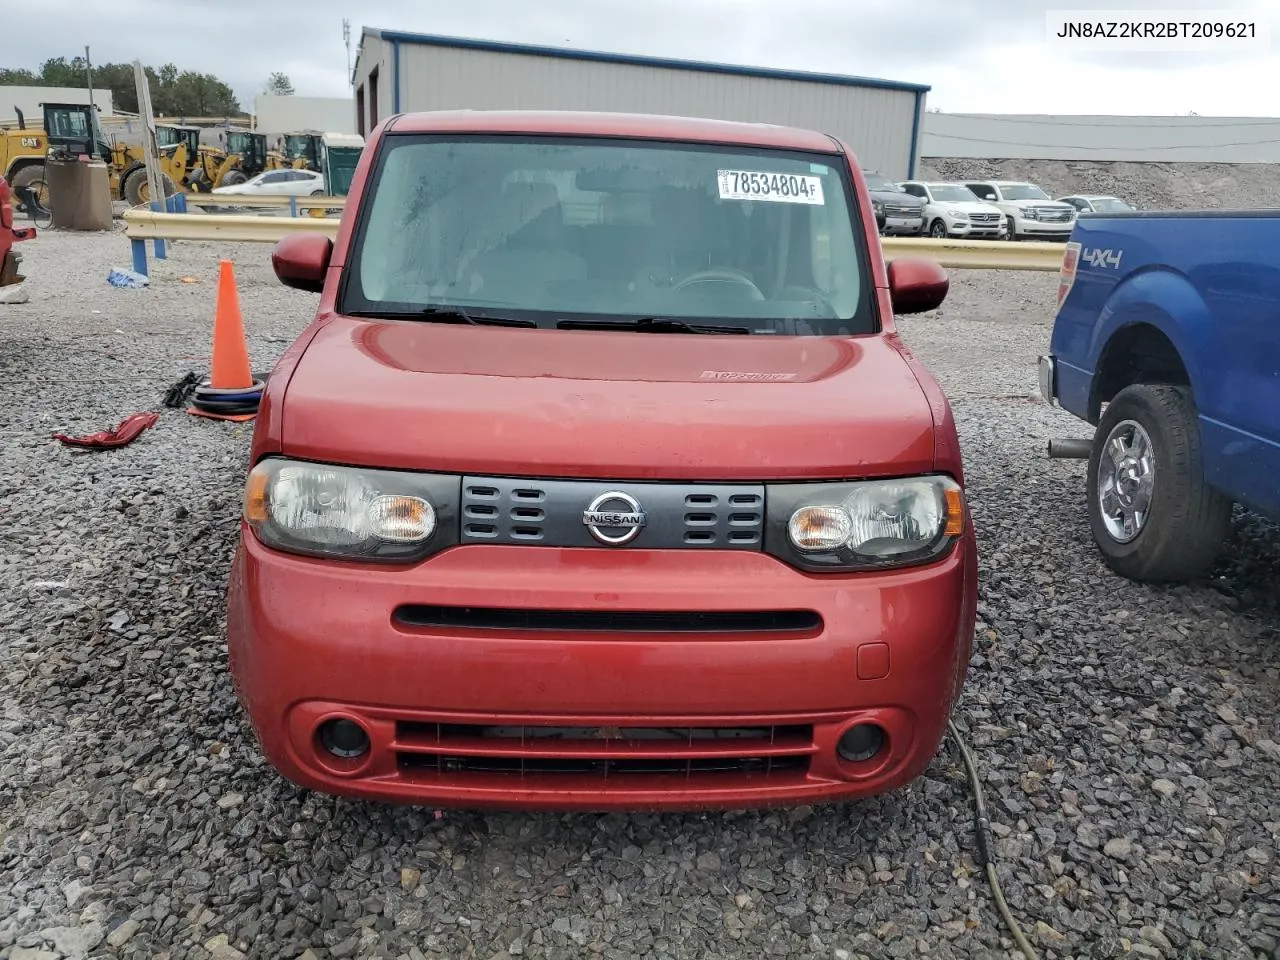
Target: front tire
31,176
1153,516
938,230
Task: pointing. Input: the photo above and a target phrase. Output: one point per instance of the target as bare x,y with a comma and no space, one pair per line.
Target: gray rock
123,934
1118,848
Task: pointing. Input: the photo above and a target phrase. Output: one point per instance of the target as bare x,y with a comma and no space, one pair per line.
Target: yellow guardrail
252,200
978,254
142,224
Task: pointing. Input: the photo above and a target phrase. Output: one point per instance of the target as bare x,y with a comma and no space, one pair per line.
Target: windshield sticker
776,187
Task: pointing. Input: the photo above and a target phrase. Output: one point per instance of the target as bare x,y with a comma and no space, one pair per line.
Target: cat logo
1102,258
32,142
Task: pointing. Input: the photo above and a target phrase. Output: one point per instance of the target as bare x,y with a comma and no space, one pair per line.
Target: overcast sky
977,55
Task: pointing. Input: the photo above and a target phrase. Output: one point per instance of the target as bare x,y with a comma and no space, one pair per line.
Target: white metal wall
877,123
28,100
1156,139
277,114
374,52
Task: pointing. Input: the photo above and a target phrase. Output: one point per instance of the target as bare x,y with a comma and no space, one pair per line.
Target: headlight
350,512
865,525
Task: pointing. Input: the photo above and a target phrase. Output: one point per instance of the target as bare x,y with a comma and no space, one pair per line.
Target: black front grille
551,513
603,751
492,619
604,767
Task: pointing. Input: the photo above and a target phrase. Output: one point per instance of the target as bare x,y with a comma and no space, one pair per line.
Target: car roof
591,123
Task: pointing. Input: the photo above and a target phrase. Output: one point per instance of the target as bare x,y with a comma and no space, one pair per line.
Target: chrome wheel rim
1126,481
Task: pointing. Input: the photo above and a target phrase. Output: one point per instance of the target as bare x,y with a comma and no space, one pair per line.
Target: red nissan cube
601,479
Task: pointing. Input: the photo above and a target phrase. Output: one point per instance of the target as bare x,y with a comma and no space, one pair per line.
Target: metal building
399,72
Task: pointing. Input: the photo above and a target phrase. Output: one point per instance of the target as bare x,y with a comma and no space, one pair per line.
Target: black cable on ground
224,401
982,829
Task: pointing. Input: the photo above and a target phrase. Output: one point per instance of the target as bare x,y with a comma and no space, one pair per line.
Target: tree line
174,93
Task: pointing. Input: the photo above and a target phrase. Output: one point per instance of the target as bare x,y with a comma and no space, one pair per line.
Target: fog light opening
344,738
861,742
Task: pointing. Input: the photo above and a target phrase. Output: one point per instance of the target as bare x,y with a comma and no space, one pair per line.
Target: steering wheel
721,276
823,309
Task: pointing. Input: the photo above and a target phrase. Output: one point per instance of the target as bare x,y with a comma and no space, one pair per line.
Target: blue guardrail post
159,207
139,256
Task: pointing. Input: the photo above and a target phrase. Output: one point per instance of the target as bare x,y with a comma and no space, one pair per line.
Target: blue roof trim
916,123
566,53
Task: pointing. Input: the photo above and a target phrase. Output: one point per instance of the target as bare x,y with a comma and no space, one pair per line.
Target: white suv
953,210
1030,211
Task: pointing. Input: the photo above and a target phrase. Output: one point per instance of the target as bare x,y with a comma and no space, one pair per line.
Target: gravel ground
1126,735
1152,186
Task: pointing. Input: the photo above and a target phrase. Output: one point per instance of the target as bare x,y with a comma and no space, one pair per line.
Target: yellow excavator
301,151
72,129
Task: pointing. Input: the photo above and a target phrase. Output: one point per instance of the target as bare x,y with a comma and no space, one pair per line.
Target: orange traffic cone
230,368
230,393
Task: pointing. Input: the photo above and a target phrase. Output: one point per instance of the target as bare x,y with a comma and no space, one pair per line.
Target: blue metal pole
139,256
157,207
293,206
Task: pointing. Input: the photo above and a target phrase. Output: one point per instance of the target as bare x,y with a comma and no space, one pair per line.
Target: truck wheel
1152,514
142,189
30,176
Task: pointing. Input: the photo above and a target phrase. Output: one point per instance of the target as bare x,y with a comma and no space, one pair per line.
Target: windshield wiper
444,315
652,325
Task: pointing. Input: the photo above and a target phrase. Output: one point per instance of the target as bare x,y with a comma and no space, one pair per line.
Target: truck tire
31,176
137,190
1147,450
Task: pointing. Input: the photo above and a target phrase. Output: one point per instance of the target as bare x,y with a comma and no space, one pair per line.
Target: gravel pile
1127,736
1150,186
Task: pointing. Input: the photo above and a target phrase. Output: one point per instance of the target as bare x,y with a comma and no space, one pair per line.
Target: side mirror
301,259
917,285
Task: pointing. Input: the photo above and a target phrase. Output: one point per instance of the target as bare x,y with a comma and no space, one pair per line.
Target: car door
274,184
305,183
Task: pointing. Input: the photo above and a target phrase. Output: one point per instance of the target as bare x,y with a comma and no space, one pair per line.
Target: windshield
946,192
877,182
546,230
1022,191
1110,205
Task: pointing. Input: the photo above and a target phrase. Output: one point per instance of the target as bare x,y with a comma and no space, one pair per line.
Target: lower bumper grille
453,750
490,619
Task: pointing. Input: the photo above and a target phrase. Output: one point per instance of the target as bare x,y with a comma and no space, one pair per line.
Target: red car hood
611,405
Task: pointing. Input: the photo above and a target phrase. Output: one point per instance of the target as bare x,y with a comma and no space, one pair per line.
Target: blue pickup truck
1167,342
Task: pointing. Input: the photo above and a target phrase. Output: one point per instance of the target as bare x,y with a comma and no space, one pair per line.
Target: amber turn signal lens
955,512
255,497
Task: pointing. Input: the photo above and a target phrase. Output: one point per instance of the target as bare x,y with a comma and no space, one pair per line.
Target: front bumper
1049,230
457,715
980,230
909,226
